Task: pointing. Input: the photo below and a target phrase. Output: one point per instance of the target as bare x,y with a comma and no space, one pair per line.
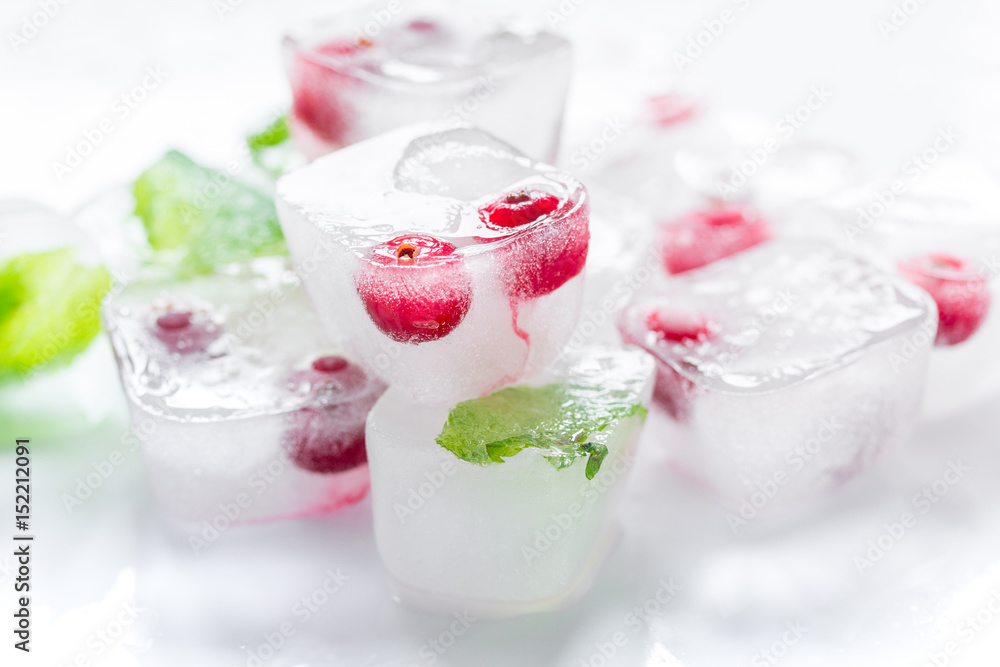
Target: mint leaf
562,419
200,218
270,148
49,310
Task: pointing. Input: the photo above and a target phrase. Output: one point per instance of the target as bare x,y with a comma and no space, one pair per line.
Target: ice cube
444,297
949,247
504,504
791,366
426,65
235,392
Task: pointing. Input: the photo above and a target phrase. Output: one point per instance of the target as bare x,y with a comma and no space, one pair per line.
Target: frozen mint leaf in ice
271,149
202,217
49,305
563,419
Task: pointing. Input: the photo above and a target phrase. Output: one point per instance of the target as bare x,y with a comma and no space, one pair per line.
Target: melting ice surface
416,179
255,328
783,312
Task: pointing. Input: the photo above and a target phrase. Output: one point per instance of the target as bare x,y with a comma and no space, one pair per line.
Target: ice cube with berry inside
504,504
352,79
447,261
950,249
789,367
242,408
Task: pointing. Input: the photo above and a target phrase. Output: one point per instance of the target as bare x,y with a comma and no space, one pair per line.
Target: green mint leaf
49,310
562,419
271,149
201,218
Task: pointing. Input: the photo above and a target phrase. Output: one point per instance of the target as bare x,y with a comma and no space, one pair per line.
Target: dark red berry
181,332
539,259
518,209
705,236
328,435
415,288
962,297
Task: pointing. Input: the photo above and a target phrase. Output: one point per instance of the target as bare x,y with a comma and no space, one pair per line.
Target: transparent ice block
239,402
509,537
499,303
949,248
790,367
353,78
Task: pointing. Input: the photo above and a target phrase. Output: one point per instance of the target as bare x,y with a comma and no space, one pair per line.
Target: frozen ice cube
792,363
504,504
462,281
950,247
426,65
235,392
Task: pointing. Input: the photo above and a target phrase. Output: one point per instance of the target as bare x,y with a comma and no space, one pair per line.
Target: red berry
329,435
517,209
415,288
673,391
182,333
318,91
538,259
423,25
670,109
962,296
702,237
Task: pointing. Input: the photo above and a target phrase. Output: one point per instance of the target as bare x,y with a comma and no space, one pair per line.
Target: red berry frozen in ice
704,236
962,296
517,209
183,333
318,84
328,435
673,391
540,258
669,109
415,288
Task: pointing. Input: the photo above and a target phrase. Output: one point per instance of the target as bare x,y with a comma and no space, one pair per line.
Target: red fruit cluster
705,236
329,435
962,296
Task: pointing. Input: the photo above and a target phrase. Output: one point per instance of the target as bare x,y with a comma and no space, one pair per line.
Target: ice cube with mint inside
199,218
460,494
49,305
